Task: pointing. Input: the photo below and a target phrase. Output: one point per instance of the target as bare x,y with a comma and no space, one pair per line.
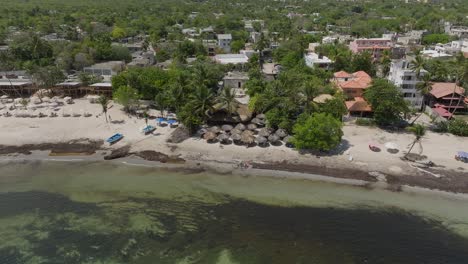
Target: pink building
375,46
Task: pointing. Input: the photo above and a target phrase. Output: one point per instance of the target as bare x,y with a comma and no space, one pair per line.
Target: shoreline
359,178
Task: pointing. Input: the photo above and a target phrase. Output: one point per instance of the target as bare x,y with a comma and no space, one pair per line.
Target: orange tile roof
358,105
342,74
443,89
360,80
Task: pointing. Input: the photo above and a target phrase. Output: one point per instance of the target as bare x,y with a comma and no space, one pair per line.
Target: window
406,86
409,95
407,78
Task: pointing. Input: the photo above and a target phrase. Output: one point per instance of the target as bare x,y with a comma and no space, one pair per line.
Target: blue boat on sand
115,138
148,129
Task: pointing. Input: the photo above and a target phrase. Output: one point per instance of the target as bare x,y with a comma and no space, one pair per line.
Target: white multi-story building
406,79
224,42
314,60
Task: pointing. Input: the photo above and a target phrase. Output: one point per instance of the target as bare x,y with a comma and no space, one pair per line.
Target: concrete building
406,79
106,69
314,60
224,42
231,59
459,31
235,79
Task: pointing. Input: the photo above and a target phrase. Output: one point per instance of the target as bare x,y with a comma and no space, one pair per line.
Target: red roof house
352,84
448,96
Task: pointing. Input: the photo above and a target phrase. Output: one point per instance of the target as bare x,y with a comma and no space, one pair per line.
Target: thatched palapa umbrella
236,131
281,133
274,139
226,128
264,132
261,116
223,138
214,129
236,137
240,127
247,137
288,141
261,141
209,136
251,126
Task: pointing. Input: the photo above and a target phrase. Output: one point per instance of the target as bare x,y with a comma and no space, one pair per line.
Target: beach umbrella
273,138
226,128
264,132
261,116
236,131
392,147
223,138
209,136
258,121
214,129
281,133
261,141
241,127
288,141
251,126
202,131
236,137
247,137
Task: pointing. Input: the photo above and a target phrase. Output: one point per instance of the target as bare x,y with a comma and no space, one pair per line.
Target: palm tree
417,65
104,102
310,90
424,88
227,99
385,61
202,101
419,131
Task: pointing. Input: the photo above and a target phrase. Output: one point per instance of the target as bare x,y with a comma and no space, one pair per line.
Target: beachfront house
106,69
375,46
314,60
224,42
446,98
406,79
352,84
235,79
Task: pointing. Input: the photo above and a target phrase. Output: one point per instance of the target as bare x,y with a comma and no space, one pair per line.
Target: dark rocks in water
121,152
178,135
152,155
82,146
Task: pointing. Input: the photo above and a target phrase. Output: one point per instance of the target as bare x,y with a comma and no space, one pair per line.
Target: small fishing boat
115,138
148,129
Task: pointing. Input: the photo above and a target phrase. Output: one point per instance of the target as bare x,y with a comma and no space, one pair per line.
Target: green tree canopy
319,131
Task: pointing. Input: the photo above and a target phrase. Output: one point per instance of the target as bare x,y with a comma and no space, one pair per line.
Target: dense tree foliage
319,131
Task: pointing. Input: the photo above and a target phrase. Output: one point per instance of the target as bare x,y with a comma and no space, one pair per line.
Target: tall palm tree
227,99
310,90
424,88
419,131
203,101
104,102
417,65
385,61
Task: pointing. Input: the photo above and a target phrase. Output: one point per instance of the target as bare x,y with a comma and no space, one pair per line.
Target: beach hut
281,133
226,128
264,132
210,136
240,127
261,141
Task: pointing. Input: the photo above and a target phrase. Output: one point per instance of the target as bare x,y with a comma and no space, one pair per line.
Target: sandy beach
353,160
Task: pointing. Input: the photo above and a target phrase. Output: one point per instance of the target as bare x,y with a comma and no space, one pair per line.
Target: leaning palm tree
419,131
424,88
417,65
227,100
104,102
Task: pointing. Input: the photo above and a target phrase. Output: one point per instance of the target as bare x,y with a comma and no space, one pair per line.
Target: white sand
440,148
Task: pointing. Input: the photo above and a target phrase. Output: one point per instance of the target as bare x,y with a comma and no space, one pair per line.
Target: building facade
376,46
224,42
402,76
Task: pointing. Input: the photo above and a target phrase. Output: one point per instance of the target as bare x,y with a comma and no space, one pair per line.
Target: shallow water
92,212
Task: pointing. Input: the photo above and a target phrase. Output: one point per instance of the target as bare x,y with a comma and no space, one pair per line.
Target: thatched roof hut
214,129
236,137
274,139
258,122
261,116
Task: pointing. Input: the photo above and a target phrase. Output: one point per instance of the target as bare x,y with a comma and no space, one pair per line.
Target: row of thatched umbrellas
245,134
